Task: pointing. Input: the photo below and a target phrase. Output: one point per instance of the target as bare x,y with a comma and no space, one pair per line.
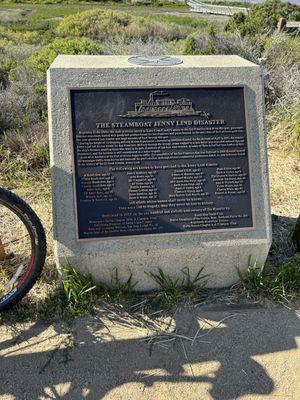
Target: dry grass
35,189
151,46
17,108
282,70
12,15
284,158
223,44
283,119
284,171
36,192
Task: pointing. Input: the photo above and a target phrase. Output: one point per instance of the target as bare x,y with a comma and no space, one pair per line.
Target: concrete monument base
219,251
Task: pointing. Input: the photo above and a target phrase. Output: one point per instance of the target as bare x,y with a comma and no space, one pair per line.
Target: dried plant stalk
2,251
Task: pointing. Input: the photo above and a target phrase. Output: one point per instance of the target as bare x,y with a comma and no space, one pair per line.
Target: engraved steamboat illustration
160,104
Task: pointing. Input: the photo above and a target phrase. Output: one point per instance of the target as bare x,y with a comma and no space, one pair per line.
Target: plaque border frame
124,237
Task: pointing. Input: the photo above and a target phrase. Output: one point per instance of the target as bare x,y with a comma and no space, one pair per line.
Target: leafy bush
282,62
28,148
17,108
204,43
41,60
100,25
261,18
190,46
12,57
282,50
15,38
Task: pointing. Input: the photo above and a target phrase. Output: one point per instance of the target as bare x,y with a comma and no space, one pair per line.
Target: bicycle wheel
22,248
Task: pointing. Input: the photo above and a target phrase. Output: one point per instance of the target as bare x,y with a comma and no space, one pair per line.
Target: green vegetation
41,60
277,284
175,291
79,291
81,295
9,37
117,290
181,20
32,35
282,47
98,25
263,18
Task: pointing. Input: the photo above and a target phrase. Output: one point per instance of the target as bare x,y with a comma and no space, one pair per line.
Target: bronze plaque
151,161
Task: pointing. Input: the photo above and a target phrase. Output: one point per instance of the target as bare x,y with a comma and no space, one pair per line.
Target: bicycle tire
38,247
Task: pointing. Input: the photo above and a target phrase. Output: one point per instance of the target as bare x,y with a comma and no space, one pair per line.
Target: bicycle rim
17,250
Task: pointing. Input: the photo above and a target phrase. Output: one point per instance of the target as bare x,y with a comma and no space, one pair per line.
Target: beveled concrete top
99,61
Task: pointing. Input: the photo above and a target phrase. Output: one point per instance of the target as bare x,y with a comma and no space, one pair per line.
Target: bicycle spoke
15,249
22,248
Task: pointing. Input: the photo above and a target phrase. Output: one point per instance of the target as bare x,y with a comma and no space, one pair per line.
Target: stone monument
158,163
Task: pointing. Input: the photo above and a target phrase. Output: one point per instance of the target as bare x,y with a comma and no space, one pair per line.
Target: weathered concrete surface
219,252
238,354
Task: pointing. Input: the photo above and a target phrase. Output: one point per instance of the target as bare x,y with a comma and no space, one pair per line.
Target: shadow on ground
211,352
283,245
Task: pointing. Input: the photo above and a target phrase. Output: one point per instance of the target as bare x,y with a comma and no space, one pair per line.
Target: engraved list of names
150,161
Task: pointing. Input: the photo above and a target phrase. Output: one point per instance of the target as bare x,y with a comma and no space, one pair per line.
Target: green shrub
17,107
283,124
188,22
16,38
100,25
220,43
282,61
41,60
282,50
93,24
208,48
27,149
12,57
262,18
237,22
190,46
295,16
